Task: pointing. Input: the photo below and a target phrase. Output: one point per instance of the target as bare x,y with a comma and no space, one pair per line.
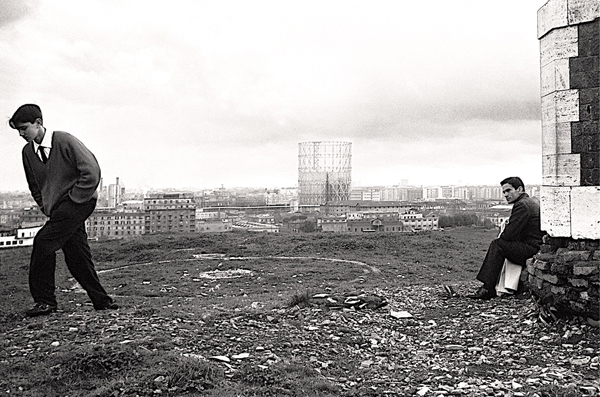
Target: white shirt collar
46,140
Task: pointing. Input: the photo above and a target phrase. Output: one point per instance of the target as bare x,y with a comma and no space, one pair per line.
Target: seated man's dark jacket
524,222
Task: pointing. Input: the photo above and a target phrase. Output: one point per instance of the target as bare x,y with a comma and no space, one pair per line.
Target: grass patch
300,299
168,309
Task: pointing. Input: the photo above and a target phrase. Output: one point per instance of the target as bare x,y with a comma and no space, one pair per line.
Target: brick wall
564,274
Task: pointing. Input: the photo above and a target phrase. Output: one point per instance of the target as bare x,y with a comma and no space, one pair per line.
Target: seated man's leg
499,250
492,265
516,251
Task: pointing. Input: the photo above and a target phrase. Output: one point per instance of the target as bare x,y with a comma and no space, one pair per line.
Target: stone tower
565,272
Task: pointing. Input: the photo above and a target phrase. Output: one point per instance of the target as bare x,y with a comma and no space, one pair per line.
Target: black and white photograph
300,198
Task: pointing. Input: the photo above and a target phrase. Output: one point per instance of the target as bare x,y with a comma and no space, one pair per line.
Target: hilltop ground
244,314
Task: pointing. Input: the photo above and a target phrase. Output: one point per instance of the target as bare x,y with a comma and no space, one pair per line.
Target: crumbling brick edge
564,276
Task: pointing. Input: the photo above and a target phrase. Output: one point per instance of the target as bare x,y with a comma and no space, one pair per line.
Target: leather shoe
107,306
483,293
40,309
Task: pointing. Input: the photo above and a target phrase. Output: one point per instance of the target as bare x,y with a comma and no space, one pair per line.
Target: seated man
520,240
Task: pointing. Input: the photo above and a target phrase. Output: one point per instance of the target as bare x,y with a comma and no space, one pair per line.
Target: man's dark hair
514,181
26,114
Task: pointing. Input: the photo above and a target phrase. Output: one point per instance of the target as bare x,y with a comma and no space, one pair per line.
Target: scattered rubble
408,341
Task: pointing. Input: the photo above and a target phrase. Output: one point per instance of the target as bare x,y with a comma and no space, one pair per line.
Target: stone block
560,107
552,15
558,290
579,11
555,76
588,96
556,210
581,64
588,35
573,256
580,144
590,177
585,212
561,170
584,295
539,283
585,79
585,268
587,128
559,44
567,106
553,279
561,269
556,138
594,146
596,255
542,265
589,112
549,257
589,160
529,261
579,282
547,249
530,268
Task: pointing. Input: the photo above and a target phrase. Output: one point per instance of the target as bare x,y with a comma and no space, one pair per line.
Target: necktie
43,154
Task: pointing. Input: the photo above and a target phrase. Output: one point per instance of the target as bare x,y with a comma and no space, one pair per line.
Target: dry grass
179,309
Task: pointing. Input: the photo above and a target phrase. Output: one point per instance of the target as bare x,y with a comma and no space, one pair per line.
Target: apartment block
170,212
108,223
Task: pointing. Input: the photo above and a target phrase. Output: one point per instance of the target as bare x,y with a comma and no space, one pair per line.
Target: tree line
464,219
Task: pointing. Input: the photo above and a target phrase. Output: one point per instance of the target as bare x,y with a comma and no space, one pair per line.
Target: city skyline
210,94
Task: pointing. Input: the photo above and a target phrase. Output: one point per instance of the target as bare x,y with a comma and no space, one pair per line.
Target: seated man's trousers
499,250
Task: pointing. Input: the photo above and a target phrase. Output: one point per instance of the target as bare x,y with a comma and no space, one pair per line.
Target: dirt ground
244,314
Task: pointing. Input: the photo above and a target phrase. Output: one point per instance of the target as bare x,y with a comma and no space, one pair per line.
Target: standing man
63,176
520,240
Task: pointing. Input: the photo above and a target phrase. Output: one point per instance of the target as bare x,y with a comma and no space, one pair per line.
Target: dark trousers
65,230
499,250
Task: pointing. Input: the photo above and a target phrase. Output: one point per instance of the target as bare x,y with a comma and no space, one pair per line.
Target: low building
497,214
131,206
109,224
21,237
415,221
339,208
376,222
32,217
213,226
334,224
255,227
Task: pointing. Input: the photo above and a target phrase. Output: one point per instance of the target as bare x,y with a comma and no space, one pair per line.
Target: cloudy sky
209,93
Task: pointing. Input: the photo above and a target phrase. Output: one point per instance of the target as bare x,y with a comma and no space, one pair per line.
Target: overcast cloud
211,93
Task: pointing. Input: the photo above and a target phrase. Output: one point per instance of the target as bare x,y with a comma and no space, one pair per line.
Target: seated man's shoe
107,306
483,293
40,309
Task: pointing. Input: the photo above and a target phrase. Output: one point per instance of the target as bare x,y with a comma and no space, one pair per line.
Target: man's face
510,193
28,131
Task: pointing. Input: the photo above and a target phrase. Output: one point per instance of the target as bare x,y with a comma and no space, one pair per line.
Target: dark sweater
71,171
524,222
